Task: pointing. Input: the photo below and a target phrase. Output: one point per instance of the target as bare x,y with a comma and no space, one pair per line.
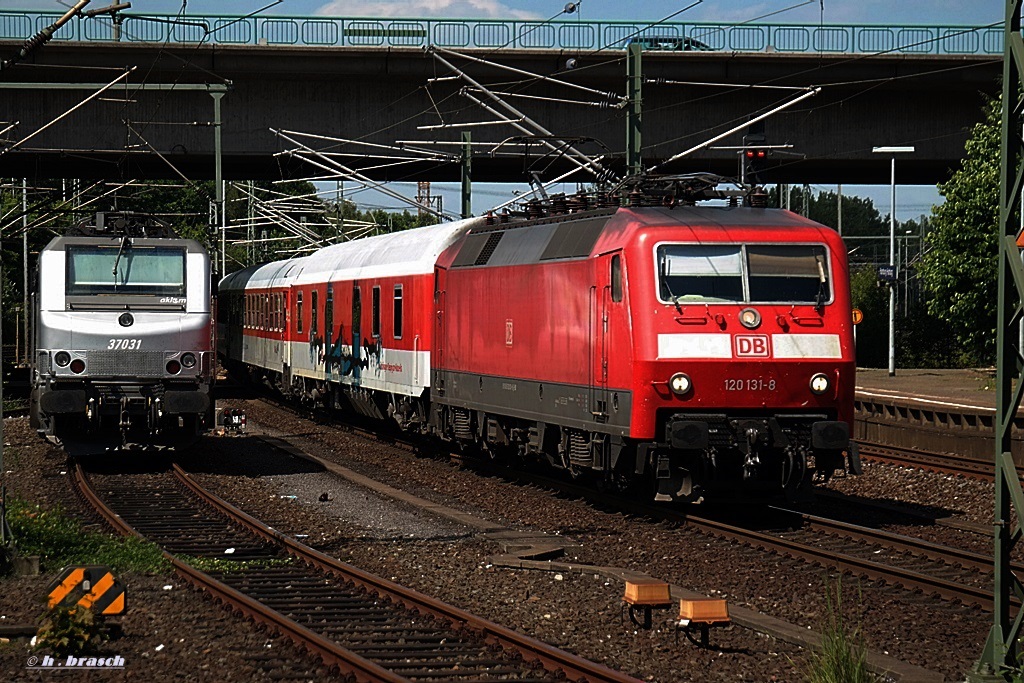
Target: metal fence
552,35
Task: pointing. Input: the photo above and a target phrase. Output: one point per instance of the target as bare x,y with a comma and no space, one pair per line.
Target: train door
606,290
329,333
437,359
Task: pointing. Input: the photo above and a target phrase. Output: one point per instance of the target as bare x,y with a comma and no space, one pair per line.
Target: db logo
751,345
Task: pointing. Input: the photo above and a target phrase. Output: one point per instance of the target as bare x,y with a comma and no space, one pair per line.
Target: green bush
70,631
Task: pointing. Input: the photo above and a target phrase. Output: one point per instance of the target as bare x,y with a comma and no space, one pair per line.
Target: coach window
398,311
376,312
616,278
298,312
312,312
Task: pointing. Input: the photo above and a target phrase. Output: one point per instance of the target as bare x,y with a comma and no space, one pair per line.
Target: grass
60,540
843,654
216,564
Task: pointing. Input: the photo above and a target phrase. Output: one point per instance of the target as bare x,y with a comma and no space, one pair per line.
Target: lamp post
892,152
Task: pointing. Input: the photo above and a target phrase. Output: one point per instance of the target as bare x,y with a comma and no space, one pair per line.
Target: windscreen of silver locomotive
103,270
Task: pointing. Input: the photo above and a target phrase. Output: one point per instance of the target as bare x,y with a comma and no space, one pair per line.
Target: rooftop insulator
734,201
759,198
558,203
534,209
489,219
504,217
636,198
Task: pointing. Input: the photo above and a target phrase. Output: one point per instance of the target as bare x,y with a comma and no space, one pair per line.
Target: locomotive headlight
750,318
819,384
188,360
680,384
62,358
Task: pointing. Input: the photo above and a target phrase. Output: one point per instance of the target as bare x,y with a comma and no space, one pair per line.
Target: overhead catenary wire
70,111
349,173
810,93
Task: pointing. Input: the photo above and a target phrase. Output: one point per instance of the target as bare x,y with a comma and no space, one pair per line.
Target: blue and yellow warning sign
92,587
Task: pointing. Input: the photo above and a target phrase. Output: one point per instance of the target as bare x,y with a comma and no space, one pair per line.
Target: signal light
173,367
756,154
78,366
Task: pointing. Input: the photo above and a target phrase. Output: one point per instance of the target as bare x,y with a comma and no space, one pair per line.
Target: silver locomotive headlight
819,384
188,360
680,384
750,318
62,358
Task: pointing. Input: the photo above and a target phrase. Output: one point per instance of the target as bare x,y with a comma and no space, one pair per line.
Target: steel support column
634,81
218,181
1000,654
467,174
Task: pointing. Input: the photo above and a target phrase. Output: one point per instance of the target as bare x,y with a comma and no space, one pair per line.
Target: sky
912,201
931,12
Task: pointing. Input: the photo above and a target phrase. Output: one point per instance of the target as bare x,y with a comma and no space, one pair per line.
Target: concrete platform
944,411
973,388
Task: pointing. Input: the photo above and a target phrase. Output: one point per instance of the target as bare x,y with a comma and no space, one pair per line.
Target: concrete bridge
380,94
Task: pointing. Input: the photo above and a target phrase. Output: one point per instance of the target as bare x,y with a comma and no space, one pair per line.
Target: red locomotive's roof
579,235
723,216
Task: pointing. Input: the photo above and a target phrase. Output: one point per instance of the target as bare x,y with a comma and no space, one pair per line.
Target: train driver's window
700,272
788,273
298,312
616,276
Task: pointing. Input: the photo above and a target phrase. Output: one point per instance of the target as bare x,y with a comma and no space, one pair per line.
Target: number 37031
124,344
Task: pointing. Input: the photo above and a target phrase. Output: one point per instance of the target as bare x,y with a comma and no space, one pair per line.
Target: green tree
959,267
873,332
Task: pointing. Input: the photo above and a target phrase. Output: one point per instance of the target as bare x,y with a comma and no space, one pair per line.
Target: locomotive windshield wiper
819,302
125,242
664,278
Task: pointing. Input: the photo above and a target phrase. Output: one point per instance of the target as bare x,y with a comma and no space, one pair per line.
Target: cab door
608,269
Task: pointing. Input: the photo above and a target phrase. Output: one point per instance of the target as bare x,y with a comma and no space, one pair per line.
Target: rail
516,35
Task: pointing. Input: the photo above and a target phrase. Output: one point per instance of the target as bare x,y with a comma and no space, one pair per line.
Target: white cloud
454,9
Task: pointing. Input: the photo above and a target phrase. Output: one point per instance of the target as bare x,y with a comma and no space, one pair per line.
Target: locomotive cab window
751,273
698,272
791,272
616,277
131,270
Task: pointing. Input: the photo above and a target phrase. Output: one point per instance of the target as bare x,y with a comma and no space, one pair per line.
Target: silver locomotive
122,351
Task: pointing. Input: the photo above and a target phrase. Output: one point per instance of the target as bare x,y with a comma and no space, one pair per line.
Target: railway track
951,573
365,626
943,463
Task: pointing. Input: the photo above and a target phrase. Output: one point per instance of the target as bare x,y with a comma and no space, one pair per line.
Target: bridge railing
479,33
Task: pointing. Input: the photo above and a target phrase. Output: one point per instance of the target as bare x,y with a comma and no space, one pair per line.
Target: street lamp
892,152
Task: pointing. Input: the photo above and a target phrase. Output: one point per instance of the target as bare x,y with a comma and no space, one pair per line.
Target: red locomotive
706,349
